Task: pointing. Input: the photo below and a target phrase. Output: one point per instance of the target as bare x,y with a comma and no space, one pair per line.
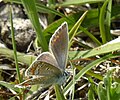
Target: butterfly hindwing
40,68
42,80
59,45
47,57
42,73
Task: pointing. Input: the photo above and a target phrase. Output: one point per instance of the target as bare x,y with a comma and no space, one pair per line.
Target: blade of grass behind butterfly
14,47
15,52
87,68
32,14
73,31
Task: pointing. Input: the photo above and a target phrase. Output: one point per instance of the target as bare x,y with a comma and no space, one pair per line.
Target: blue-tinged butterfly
49,67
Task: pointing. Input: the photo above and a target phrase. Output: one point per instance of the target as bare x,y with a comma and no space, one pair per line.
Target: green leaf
115,91
78,2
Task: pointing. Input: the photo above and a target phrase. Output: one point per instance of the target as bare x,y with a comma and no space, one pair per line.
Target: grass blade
102,22
77,2
108,21
111,46
32,13
58,92
14,47
24,58
91,36
9,86
73,31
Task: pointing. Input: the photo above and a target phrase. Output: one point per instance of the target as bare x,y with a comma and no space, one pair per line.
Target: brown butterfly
49,67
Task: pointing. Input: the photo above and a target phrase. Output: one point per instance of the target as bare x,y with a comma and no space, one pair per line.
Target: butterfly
49,67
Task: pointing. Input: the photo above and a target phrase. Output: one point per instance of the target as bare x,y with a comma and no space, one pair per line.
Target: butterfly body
49,67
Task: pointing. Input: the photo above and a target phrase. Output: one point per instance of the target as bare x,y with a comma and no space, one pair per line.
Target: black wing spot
47,68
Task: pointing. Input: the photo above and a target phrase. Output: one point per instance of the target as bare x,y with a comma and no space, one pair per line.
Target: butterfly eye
66,74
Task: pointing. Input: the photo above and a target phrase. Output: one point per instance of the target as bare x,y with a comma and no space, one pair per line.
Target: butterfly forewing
59,45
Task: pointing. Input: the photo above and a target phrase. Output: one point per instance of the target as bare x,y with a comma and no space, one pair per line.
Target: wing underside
59,45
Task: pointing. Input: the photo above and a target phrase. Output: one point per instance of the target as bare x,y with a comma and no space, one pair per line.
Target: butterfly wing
47,57
42,73
42,80
46,68
40,68
44,63
59,45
